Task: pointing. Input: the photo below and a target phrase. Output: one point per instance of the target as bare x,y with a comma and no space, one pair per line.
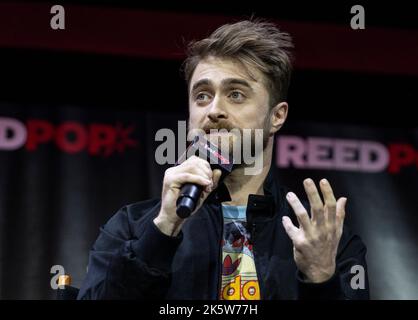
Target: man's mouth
217,131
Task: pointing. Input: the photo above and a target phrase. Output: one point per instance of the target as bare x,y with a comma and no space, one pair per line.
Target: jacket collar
259,207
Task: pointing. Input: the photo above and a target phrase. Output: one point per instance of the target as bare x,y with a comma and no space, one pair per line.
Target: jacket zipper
219,293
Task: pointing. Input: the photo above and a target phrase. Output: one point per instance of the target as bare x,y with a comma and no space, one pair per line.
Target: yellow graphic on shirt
239,277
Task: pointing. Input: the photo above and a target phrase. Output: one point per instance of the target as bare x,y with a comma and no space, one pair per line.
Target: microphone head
190,193
204,149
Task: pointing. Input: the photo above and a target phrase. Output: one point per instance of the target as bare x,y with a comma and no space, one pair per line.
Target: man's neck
241,185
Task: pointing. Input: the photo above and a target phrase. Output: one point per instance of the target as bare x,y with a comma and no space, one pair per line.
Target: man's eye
237,96
202,97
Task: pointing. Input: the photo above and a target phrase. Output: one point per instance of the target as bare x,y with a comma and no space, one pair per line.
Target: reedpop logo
244,146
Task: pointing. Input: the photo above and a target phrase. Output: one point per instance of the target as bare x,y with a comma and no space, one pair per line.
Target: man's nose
217,110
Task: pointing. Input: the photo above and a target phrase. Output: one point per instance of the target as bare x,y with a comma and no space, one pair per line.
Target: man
248,238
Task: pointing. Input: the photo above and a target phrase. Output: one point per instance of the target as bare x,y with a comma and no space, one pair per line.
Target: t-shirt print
239,276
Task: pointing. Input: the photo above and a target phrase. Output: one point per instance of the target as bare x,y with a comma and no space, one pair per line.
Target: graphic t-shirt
239,276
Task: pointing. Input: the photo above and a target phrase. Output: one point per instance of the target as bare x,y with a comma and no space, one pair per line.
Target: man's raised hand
315,242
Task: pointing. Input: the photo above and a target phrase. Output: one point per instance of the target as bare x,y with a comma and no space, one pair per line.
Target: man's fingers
198,166
185,177
300,211
329,199
209,188
291,230
340,215
317,207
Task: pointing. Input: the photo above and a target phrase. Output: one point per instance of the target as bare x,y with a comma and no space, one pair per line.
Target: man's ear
278,115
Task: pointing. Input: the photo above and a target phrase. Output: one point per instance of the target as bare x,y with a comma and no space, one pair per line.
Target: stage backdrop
66,170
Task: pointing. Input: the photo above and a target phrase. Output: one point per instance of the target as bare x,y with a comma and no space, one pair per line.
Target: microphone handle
188,199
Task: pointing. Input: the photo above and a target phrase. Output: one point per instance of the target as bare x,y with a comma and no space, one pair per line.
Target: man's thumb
216,176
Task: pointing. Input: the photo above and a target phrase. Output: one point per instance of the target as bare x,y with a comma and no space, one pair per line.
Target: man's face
223,95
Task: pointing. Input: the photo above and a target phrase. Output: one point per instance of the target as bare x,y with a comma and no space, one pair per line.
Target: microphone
190,192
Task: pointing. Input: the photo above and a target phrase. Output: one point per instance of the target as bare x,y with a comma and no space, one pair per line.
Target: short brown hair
257,43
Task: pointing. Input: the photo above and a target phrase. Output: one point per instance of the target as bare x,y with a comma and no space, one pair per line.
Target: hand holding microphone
187,185
192,171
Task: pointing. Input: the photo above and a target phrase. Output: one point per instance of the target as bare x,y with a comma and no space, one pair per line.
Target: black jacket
132,259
